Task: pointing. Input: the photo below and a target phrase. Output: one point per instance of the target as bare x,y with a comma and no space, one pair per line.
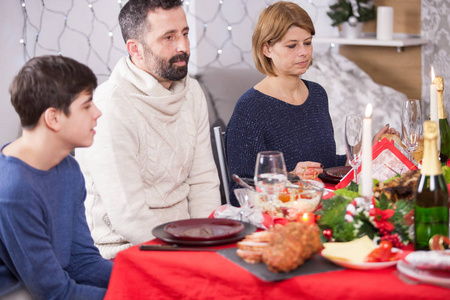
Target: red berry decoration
327,233
394,239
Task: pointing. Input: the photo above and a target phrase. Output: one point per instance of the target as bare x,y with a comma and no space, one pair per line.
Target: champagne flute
353,141
411,125
270,176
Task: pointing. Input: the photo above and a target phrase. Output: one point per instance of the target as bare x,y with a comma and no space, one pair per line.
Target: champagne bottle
444,128
431,197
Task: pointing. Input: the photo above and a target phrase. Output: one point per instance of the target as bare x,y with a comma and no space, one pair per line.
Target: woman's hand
385,129
308,169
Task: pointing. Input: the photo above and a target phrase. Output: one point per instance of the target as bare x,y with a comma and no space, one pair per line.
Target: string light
89,29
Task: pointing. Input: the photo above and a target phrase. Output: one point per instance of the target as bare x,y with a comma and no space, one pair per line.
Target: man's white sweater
151,161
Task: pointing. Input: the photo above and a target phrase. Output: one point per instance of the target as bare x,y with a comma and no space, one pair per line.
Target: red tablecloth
208,275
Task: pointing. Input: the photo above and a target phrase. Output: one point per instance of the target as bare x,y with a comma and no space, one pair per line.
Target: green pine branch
342,10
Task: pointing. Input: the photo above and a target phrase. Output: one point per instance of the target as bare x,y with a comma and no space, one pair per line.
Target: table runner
208,275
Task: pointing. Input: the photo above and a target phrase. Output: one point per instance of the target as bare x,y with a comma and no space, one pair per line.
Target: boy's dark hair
48,81
132,17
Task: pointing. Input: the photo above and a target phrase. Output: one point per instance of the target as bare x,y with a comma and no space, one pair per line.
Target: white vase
351,31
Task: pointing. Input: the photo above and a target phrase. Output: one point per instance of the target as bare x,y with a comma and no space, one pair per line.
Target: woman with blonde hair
283,112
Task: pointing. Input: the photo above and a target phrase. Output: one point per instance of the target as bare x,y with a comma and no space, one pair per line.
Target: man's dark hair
49,81
132,17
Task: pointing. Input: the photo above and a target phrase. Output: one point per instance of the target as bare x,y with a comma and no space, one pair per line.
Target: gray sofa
222,88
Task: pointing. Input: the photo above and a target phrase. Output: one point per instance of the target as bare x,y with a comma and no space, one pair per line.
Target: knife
171,248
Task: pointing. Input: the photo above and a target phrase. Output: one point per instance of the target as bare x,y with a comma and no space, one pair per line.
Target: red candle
308,218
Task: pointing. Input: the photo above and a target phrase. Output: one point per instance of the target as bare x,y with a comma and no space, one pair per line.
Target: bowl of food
295,200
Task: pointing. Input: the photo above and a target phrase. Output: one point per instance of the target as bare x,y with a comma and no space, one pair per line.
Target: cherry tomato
385,245
380,254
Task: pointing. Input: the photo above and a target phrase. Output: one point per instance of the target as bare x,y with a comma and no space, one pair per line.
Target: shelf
369,39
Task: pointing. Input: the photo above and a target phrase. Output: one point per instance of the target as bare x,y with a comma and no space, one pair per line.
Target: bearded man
151,161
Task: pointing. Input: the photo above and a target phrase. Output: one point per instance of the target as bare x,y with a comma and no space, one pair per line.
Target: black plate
159,232
316,264
337,172
329,179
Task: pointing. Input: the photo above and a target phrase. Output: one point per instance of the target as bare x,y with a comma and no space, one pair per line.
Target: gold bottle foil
439,82
430,163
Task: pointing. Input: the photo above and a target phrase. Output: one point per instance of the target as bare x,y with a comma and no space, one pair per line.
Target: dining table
210,274
140,274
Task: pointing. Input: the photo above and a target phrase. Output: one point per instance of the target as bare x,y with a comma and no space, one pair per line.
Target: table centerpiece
343,218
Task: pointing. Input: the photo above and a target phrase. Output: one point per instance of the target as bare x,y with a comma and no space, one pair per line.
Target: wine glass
270,176
353,141
411,125
246,198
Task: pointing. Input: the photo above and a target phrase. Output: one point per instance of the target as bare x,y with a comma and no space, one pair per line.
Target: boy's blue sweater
45,243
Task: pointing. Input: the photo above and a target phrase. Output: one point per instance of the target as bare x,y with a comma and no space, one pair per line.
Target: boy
45,245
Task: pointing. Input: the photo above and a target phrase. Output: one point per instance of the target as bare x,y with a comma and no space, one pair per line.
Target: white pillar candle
385,23
434,116
366,167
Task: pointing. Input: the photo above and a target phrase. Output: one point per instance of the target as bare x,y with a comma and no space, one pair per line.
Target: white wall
85,37
11,60
228,27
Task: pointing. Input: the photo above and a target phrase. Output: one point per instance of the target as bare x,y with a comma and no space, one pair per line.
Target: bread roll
250,249
418,153
391,137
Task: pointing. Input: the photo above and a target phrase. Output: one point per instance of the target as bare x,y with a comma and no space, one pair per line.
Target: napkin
260,220
253,216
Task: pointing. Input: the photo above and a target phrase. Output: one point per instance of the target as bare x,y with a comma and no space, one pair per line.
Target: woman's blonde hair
272,25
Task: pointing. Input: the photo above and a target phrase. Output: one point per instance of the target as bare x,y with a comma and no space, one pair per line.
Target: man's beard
166,69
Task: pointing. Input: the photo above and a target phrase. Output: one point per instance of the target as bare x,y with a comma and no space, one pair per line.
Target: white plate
422,275
363,266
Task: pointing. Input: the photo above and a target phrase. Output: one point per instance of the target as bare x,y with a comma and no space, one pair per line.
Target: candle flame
432,74
305,217
368,110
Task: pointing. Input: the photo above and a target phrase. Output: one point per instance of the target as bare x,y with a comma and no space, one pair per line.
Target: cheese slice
354,251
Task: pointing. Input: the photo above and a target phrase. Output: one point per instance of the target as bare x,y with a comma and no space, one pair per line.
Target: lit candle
308,218
433,105
366,164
